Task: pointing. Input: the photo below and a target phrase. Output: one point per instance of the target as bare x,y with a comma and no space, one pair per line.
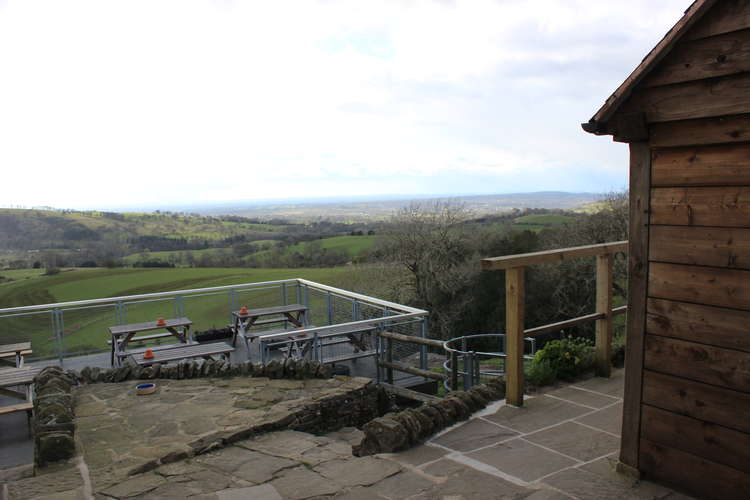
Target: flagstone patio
562,444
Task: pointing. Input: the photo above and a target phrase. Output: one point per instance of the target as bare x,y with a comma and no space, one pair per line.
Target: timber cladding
686,415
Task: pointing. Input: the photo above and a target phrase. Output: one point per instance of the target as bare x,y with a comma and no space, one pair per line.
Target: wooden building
685,112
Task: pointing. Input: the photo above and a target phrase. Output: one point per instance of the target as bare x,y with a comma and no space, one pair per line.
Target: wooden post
640,195
604,305
514,321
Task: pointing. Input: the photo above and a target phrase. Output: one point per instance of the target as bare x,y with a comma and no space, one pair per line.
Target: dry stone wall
400,431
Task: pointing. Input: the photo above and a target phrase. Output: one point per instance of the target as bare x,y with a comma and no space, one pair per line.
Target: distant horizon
227,100
240,205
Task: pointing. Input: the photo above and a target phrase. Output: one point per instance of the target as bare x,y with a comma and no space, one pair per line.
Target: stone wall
402,430
53,423
290,368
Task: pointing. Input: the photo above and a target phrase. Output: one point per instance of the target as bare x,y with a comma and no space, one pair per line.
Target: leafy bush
541,373
566,358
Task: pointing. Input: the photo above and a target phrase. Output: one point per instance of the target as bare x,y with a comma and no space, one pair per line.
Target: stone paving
562,444
121,433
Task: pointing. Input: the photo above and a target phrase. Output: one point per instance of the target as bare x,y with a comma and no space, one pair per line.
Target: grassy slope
85,330
536,222
353,245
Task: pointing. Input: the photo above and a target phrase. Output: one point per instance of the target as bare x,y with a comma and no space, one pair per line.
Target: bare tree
432,244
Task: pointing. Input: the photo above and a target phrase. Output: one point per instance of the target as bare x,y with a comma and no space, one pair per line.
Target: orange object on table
243,310
161,322
148,354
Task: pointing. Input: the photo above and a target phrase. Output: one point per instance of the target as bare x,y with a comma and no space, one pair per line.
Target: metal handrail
128,298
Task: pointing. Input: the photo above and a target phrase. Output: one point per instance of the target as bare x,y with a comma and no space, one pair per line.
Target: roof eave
599,123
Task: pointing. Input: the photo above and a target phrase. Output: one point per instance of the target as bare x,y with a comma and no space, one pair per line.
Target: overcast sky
148,102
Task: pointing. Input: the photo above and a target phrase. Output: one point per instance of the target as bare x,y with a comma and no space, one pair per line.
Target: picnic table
180,352
18,377
299,342
243,321
12,354
123,334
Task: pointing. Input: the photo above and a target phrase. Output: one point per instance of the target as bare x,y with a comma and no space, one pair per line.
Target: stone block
54,446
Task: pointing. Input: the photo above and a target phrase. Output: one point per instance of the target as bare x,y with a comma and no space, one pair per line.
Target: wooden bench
144,338
18,377
184,351
16,352
27,406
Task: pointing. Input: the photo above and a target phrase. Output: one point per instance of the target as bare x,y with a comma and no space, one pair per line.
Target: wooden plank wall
694,416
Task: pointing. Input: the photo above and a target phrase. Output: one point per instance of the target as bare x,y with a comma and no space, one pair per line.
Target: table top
149,325
184,352
268,311
15,348
18,376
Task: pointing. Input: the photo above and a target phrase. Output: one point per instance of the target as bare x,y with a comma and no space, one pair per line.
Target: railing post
423,348
604,305
454,371
514,326
389,359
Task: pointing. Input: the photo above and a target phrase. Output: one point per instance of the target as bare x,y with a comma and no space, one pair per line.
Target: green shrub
566,358
541,373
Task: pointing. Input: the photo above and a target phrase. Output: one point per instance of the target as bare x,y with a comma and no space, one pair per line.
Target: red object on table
243,310
148,354
160,322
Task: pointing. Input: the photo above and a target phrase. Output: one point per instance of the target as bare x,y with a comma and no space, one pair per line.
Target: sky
154,103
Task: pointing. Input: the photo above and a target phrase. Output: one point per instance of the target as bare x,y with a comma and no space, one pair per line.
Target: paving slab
356,471
612,386
463,482
536,413
418,455
522,459
608,419
474,434
576,441
583,397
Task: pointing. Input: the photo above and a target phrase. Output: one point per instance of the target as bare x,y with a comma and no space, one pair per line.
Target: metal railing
65,330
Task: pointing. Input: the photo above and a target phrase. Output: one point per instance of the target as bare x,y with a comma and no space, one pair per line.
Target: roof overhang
601,123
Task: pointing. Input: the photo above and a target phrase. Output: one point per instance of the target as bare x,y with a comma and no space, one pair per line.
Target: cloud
170,101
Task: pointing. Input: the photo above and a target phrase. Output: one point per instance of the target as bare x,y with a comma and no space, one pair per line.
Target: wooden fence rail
514,266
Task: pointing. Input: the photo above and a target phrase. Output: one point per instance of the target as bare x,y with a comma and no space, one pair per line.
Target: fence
73,329
514,266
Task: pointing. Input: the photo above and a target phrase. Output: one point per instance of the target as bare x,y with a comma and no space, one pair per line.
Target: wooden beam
718,165
514,321
553,327
697,99
702,246
410,369
605,325
640,183
414,340
725,54
525,259
717,206
629,127
711,325
410,394
725,129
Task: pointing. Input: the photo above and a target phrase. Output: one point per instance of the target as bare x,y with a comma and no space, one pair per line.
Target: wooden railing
389,364
514,266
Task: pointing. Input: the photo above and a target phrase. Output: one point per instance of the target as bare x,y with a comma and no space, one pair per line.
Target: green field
353,245
85,329
537,222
